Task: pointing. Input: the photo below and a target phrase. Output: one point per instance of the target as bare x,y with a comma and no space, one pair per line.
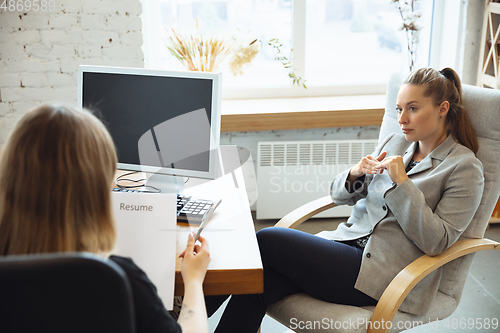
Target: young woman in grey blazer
415,194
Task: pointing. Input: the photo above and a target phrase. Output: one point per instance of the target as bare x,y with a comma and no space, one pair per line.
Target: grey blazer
425,214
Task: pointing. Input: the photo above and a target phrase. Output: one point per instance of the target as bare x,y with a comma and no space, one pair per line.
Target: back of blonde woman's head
55,176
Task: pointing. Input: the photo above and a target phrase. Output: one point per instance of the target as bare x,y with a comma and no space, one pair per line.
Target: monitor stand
165,183
172,184
227,162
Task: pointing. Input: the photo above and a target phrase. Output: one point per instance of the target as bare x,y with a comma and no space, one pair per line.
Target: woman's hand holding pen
195,260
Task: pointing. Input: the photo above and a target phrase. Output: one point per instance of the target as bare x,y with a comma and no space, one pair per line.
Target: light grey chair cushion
330,317
390,120
483,107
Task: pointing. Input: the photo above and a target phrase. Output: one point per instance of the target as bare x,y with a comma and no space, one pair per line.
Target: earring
440,117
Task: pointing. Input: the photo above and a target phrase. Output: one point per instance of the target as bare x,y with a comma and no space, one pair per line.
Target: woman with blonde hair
56,173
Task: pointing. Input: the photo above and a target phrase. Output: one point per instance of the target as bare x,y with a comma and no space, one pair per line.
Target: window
356,42
340,46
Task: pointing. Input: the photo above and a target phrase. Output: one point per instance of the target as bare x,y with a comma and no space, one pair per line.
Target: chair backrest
64,292
483,108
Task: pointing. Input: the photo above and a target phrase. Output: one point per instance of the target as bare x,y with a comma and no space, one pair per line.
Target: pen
202,225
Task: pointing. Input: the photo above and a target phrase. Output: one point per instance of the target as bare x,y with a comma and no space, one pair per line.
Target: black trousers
294,262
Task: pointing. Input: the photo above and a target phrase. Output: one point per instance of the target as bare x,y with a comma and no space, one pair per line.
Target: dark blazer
425,214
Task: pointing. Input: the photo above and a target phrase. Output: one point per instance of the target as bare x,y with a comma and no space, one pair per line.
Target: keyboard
189,210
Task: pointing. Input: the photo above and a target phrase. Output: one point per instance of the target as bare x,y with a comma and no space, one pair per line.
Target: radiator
292,173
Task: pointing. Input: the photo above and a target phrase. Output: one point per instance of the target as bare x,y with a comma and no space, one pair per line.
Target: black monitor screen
144,106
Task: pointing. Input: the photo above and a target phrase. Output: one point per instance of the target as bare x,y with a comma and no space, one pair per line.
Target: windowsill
301,113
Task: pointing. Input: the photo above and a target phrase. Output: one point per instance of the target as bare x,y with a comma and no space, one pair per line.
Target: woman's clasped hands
393,164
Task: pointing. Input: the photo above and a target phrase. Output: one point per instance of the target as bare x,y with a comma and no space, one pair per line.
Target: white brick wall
40,51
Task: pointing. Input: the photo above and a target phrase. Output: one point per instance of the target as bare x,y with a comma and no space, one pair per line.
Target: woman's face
418,117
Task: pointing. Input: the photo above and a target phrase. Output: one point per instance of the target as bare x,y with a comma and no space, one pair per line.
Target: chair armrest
303,213
404,282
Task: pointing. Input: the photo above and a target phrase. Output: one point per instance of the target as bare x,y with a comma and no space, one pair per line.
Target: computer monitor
161,122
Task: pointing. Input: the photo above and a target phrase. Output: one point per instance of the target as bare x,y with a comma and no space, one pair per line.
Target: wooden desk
235,266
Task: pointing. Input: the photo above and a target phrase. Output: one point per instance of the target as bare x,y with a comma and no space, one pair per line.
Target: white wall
472,43
457,36
40,51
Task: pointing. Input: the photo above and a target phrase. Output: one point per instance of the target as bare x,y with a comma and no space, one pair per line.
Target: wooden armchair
403,283
483,106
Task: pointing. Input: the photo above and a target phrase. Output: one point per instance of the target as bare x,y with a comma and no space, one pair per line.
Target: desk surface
235,266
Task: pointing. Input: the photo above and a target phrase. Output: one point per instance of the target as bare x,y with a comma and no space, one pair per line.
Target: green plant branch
277,46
